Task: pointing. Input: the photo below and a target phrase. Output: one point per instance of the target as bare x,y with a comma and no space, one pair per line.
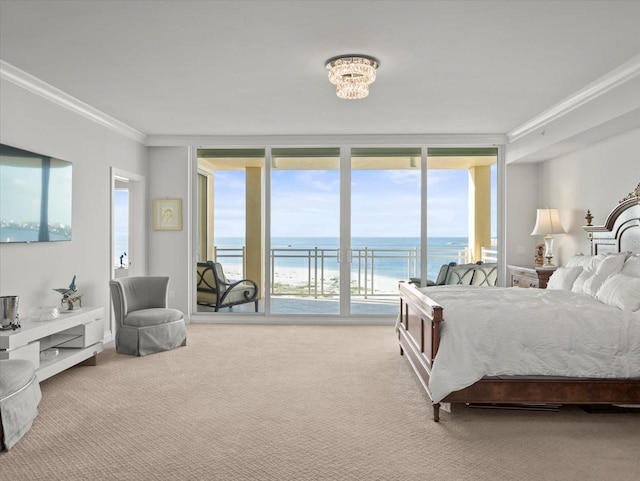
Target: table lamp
548,223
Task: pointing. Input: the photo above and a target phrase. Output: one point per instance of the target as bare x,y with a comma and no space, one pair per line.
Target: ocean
16,234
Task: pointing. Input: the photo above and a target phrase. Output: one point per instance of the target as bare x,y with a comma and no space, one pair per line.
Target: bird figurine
70,295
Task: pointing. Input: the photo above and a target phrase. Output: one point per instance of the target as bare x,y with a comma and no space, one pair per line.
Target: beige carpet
297,403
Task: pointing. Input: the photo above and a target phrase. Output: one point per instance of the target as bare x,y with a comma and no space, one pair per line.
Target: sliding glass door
305,231
230,221
333,230
385,226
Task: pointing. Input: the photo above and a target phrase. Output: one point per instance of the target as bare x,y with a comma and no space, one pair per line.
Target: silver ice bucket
8,311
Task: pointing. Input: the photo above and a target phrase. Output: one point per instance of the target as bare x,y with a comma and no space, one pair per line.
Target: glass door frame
345,231
345,216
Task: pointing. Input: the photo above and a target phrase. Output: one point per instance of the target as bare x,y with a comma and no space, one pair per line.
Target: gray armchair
144,322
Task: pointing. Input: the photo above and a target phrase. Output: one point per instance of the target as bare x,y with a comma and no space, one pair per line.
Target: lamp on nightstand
548,223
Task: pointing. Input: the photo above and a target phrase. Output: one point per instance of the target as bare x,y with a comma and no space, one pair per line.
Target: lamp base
548,250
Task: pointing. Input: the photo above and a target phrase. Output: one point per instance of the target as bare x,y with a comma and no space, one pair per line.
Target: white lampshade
548,222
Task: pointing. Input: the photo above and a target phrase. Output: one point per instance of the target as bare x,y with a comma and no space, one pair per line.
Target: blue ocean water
394,257
14,234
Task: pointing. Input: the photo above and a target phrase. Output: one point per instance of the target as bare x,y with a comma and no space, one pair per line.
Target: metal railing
318,268
489,255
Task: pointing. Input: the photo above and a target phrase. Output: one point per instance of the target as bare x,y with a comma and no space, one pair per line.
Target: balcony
313,273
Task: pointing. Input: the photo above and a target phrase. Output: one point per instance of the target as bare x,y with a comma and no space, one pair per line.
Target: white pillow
632,267
621,291
578,285
611,264
587,262
563,278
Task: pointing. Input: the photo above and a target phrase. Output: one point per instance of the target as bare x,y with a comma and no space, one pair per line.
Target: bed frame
421,318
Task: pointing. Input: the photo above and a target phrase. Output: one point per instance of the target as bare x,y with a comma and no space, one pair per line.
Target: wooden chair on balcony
215,290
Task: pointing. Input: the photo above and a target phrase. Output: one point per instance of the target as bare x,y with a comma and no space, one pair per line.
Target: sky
384,203
21,191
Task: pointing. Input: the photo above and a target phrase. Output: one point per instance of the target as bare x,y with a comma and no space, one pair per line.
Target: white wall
169,253
31,271
597,178
521,202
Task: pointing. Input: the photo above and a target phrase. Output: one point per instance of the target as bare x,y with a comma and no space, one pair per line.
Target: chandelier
352,74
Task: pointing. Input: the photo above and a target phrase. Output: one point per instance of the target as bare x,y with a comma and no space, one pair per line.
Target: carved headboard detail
621,230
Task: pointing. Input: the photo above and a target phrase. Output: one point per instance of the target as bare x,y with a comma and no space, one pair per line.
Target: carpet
255,402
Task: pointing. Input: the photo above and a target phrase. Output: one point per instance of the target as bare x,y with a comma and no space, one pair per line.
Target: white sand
298,276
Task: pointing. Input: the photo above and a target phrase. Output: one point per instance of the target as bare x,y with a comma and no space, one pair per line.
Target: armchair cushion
461,274
240,293
144,292
151,317
485,275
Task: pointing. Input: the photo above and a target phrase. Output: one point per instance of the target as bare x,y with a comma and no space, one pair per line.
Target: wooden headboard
621,230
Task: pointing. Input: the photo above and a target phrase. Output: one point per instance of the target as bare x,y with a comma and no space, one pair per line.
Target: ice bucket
8,311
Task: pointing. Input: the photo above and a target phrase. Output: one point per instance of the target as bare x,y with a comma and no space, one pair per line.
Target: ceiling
257,67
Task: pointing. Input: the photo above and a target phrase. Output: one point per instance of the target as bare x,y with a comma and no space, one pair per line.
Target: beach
296,279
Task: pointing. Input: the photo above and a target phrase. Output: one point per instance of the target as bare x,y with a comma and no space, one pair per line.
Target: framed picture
167,214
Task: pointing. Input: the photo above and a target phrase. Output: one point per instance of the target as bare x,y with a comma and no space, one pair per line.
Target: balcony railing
314,272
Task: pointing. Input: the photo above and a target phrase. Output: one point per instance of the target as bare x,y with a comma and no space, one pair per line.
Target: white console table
78,336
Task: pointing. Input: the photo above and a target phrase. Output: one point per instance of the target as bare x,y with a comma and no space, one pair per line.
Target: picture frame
167,214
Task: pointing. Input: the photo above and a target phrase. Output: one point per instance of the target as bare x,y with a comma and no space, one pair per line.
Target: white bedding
514,331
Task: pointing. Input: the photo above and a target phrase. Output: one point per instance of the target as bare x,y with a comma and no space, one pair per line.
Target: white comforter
514,331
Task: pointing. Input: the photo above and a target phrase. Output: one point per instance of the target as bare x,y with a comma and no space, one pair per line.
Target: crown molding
431,140
613,79
22,79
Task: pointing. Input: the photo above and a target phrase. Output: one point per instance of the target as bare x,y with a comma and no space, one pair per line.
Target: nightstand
530,276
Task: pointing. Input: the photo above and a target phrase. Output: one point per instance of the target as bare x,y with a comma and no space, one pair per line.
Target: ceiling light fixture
352,75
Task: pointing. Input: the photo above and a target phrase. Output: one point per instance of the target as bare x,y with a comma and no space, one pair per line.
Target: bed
577,344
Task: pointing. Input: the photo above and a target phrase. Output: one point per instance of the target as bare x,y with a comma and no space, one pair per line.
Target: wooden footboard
419,338
419,334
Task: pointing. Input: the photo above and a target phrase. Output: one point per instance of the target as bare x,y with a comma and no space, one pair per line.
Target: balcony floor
372,306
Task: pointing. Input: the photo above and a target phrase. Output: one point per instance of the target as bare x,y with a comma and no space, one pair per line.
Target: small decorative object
42,314
167,214
632,194
588,217
9,318
70,295
49,354
539,259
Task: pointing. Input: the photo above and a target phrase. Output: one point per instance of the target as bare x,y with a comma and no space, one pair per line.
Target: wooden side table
530,276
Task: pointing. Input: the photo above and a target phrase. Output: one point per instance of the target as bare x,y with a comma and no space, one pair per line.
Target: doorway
128,232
